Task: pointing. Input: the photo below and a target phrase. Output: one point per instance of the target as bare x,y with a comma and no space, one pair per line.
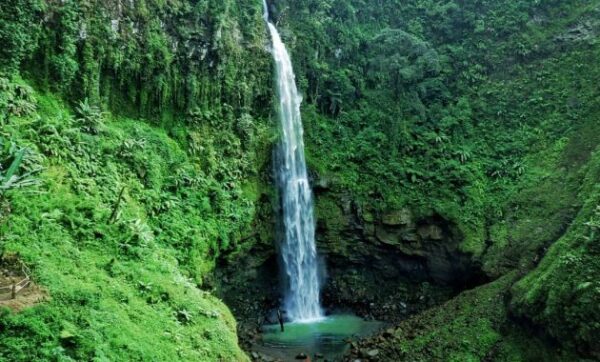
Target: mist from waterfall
298,249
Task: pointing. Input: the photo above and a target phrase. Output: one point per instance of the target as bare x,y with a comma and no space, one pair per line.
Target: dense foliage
135,148
122,221
150,58
429,83
483,112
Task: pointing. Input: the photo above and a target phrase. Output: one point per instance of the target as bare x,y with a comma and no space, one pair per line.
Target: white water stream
298,249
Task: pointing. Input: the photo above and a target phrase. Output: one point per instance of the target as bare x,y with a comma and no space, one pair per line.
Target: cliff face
148,58
452,144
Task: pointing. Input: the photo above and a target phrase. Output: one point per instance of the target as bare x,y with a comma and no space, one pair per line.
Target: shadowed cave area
392,267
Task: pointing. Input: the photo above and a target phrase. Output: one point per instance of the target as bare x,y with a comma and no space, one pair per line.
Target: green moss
466,328
332,223
471,327
484,113
561,293
124,288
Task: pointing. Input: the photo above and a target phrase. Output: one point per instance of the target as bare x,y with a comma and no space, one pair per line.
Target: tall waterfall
298,249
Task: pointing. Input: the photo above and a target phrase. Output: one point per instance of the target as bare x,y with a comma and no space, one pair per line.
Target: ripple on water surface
327,336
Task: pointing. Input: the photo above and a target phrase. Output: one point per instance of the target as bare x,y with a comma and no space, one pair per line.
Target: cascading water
298,249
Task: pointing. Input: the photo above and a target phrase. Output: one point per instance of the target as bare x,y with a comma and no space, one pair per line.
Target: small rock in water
373,353
301,356
319,355
254,355
267,358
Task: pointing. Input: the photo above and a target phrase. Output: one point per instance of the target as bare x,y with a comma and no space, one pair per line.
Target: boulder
389,237
400,217
431,231
266,358
373,353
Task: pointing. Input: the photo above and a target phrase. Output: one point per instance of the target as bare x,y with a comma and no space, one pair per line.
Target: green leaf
15,165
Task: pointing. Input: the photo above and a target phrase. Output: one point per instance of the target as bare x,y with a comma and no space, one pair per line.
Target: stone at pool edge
373,353
266,358
261,357
304,356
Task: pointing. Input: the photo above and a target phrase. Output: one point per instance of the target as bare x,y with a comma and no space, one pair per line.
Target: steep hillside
123,228
143,152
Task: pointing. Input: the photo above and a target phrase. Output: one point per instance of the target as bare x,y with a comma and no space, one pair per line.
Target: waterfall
298,249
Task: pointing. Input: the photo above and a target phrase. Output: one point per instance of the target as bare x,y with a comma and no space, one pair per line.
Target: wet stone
373,353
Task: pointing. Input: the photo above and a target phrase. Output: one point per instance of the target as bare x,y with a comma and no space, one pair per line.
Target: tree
401,61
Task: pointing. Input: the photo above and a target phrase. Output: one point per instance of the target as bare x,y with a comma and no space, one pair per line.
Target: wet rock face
402,217
586,29
391,264
386,266
250,288
396,243
431,242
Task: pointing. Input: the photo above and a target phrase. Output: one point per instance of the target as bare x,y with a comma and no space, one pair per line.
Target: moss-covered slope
124,275
145,149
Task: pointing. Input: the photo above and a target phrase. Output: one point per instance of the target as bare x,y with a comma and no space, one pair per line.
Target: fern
90,118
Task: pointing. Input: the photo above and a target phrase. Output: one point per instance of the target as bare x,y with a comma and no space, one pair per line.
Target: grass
471,327
130,289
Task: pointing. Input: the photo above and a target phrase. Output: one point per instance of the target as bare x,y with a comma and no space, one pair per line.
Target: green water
328,337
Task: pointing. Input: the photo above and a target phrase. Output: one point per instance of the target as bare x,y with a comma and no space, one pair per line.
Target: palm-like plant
15,100
463,155
10,179
90,117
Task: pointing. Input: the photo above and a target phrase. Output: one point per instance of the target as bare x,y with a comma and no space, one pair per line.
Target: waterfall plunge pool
328,337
